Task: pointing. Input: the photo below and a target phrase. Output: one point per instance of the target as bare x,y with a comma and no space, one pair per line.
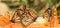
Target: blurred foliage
58,10
31,3
12,3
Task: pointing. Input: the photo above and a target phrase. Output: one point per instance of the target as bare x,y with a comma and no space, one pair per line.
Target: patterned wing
24,16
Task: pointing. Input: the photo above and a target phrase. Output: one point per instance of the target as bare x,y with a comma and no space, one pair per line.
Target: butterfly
25,16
